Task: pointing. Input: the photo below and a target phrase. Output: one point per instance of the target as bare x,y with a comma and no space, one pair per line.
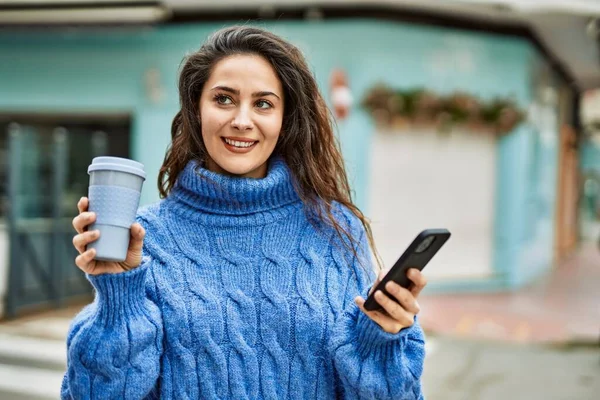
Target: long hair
307,143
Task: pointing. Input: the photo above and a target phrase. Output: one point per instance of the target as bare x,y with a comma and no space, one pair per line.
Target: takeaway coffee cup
114,195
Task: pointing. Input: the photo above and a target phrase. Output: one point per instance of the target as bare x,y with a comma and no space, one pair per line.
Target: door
46,175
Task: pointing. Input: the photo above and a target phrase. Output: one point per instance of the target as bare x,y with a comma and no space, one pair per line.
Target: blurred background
482,117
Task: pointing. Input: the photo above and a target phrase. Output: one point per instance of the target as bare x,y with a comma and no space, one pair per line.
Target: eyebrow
237,92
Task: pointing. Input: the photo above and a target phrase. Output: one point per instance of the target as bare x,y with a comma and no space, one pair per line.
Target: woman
250,282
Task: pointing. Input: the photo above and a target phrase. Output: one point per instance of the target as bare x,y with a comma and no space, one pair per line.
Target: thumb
137,238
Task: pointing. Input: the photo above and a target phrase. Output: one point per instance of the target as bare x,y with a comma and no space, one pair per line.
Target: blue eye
263,104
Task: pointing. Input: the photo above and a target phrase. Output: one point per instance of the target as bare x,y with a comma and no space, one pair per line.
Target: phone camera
424,245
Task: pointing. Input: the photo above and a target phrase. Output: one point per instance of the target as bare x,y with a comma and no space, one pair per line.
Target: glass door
46,169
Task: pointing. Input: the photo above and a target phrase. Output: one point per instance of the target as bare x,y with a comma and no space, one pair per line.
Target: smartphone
417,255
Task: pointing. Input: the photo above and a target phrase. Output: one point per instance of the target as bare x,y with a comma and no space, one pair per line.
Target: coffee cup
114,195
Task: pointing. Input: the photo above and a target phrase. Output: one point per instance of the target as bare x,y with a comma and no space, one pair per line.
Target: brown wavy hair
307,144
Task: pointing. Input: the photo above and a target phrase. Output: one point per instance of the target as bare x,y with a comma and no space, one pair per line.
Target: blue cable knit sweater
239,296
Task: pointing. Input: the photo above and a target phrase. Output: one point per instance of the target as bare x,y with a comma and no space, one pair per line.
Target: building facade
114,92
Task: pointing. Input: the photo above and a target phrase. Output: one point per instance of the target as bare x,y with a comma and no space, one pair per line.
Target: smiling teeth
238,144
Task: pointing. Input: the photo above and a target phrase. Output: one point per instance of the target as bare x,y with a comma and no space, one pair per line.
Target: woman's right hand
85,260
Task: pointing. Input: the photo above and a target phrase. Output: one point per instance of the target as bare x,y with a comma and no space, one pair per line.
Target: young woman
247,281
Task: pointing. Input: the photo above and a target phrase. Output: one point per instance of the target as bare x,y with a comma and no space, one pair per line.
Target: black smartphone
417,255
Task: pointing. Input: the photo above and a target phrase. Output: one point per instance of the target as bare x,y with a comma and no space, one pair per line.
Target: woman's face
241,113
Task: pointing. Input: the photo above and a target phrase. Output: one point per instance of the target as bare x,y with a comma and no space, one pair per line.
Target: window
56,147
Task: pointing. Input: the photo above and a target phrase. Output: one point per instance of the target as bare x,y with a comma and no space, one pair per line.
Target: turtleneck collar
213,193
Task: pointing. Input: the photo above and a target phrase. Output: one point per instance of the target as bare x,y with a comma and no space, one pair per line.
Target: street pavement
458,369
455,369
563,306
30,368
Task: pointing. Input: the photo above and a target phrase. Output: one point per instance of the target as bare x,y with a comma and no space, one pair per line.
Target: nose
242,120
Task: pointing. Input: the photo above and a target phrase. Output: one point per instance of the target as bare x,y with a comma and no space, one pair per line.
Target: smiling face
241,113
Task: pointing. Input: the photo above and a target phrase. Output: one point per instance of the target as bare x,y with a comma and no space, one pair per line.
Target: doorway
44,173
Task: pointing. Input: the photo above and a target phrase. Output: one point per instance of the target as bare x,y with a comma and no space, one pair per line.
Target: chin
239,167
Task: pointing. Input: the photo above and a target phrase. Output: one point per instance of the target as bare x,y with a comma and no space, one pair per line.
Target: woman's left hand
396,316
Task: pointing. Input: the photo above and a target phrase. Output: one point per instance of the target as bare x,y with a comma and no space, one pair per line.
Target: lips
239,145
238,142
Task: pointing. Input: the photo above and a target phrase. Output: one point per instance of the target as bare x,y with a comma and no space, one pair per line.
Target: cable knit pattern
239,296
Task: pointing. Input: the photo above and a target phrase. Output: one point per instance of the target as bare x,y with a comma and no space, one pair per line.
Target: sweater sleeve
114,345
371,363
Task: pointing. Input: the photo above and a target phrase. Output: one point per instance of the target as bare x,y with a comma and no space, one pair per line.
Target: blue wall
104,72
539,209
589,160
81,71
589,157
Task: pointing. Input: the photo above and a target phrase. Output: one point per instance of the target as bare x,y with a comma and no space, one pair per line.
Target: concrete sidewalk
52,325
454,370
471,346
489,370
33,355
563,307
33,360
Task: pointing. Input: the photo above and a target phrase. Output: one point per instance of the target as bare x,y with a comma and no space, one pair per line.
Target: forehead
246,72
